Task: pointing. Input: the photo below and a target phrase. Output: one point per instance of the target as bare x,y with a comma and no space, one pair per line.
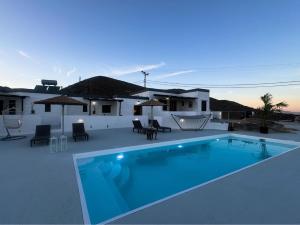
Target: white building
101,111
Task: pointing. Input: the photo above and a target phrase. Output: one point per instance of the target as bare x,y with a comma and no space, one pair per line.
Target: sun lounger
79,131
137,125
160,128
42,134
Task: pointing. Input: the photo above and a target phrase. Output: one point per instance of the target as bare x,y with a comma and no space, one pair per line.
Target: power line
227,85
235,87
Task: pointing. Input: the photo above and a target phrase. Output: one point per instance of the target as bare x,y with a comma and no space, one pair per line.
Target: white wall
103,122
29,123
217,114
127,106
199,95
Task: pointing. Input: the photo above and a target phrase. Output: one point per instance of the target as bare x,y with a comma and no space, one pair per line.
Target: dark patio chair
137,125
160,128
42,134
79,131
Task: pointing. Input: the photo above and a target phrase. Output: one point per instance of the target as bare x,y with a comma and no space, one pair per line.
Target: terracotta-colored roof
60,100
152,102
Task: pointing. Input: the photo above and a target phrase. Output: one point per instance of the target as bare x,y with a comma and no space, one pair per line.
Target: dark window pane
47,107
106,108
137,110
84,108
204,106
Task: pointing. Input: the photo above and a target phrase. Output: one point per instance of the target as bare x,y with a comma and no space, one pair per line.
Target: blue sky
199,42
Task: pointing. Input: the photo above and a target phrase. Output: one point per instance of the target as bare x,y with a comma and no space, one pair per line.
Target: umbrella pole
151,124
63,120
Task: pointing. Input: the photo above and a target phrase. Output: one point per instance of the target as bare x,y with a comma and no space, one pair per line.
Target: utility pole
145,77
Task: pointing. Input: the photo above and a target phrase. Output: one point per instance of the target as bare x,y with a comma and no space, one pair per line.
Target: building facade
20,102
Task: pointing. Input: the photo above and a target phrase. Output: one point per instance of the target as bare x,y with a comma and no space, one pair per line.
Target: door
173,105
12,107
1,106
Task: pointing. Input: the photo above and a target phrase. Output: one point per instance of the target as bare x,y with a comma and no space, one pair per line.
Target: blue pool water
117,183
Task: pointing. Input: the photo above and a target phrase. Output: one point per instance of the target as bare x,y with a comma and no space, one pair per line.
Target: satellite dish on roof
49,82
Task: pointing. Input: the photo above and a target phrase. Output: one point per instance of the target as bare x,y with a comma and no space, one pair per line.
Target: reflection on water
264,154
163,156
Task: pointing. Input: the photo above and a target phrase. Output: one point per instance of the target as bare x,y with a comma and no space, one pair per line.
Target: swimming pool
116,182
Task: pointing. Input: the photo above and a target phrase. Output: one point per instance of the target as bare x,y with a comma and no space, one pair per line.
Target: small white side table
53,144
63,143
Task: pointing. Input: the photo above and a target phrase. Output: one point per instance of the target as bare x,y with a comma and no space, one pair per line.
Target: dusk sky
205,43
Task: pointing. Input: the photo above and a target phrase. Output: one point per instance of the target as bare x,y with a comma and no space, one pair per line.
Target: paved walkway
39,187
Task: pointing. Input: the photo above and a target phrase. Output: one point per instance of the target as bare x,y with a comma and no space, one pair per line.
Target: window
47,107
137,110
165,106
204,106
182,103
106,108
84,108
190,104
173,105
12,107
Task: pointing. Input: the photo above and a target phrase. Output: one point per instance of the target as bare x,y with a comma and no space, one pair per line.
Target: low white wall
29,123
217,115
103,122
216,126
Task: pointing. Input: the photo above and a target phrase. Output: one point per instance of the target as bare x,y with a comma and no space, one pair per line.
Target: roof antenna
145,77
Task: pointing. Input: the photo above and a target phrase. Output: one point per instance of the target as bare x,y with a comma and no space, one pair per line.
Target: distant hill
102,86
226,105
5,89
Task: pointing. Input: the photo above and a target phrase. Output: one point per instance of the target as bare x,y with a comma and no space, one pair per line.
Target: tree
269,108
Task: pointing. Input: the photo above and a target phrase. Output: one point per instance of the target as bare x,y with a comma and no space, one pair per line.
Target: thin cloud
134,69
70,72
167,75
24,54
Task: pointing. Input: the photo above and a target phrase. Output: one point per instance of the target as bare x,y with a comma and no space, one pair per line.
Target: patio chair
137,125
79,131
160,128
42,134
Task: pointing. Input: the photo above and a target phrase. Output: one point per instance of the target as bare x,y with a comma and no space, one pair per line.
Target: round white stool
63,143
53,144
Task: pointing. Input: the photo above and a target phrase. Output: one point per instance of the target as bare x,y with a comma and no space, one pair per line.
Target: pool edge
84,208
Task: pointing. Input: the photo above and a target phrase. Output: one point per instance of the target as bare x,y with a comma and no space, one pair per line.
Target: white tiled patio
40,187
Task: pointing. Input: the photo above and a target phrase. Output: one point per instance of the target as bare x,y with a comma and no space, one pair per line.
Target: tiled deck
40,187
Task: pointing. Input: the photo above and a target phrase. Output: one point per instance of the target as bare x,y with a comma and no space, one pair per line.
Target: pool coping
84,208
